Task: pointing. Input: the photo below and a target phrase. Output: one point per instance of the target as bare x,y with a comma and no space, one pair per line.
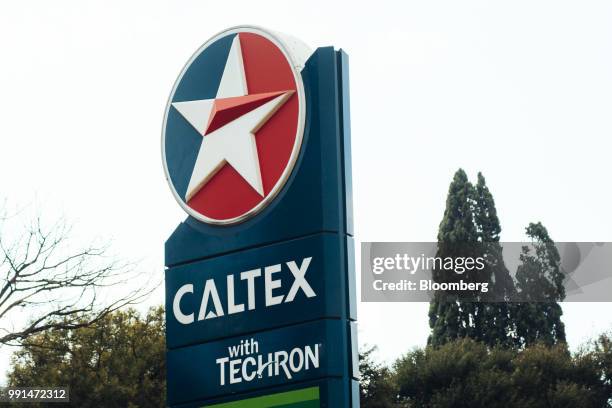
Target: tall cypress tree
470,227
495,312
450,318
539,282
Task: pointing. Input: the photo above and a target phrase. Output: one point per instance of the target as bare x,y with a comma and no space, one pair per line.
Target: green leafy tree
461,373
119,361
539,281
602,350
549,376
469,374
377,388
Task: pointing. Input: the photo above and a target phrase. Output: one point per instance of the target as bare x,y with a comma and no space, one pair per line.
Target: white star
229,139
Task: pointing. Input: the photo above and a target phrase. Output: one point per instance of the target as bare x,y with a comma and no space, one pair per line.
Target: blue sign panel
257,289
260,280
288,355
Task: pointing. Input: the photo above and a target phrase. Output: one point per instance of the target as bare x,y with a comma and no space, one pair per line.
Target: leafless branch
57,284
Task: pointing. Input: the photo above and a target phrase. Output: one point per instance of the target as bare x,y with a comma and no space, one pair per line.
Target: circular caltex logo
233,126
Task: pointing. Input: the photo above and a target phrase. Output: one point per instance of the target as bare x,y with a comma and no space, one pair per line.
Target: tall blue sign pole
260,280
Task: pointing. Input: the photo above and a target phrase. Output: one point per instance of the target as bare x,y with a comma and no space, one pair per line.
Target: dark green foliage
457,226
117,362
496,312
377,389
470,227
485,214
602,351
448,317
456,374
466,373
539,276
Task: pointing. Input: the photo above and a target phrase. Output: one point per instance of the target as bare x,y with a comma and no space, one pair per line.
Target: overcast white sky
519,90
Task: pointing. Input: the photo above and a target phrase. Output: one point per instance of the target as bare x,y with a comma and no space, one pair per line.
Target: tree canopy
119,361
466,373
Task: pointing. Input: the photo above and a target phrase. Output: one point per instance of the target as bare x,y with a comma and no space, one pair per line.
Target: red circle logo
233,126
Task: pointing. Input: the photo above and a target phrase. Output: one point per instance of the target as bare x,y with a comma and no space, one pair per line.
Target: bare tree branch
58,283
